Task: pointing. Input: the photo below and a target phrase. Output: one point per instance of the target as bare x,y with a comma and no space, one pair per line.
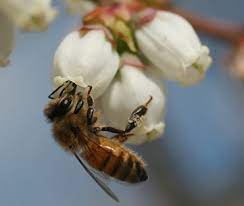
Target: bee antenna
62,91
56,90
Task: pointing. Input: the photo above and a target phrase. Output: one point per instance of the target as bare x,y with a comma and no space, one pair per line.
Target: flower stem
216,28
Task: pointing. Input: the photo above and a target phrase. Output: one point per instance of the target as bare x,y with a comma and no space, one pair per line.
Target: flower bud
7,39
171,44
32,15
131,88
87,59
81,7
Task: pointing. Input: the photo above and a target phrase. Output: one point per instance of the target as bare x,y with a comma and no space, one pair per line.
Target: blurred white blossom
133,87
87,59
29,15
81,7
7,38
171,44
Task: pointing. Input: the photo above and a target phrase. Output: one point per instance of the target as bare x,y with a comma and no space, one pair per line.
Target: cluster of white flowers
166,44
28,15
172,49
31,16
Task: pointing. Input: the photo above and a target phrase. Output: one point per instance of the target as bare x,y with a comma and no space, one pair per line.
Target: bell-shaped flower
7,39
132,87
86,59
31,15
171,44
81,7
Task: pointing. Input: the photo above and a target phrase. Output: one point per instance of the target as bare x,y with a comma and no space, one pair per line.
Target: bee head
59,107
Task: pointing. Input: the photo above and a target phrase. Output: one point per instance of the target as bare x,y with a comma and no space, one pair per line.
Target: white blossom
86,60
81,7
7,39
130,88
171,44
29,15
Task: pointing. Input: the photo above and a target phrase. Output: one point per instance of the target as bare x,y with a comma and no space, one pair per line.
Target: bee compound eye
66,103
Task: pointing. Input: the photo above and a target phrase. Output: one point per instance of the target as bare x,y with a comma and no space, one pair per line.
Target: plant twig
216,28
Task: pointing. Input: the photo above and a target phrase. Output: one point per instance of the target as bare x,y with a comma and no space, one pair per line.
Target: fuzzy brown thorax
67,123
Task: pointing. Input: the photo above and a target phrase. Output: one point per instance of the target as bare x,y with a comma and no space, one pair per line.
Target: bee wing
98,181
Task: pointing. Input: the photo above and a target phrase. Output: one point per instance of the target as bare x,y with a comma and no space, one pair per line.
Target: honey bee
76,129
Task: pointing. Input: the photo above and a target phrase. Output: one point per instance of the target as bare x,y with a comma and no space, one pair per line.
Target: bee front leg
90,111
79,104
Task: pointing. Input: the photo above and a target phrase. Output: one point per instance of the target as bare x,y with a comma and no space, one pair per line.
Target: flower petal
86,60
81,7
172,45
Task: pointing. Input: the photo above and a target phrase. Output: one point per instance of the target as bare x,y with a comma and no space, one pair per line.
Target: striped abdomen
115,161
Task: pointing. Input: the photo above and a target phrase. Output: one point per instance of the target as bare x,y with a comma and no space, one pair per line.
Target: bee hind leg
121,138
108,129
91,119
135,117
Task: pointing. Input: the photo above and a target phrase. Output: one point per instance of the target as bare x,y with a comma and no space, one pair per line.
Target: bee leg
121,138
73,90
91,119
79,104
108,129
136,116
90,111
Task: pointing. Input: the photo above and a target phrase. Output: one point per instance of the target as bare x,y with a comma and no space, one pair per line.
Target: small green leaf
123,31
